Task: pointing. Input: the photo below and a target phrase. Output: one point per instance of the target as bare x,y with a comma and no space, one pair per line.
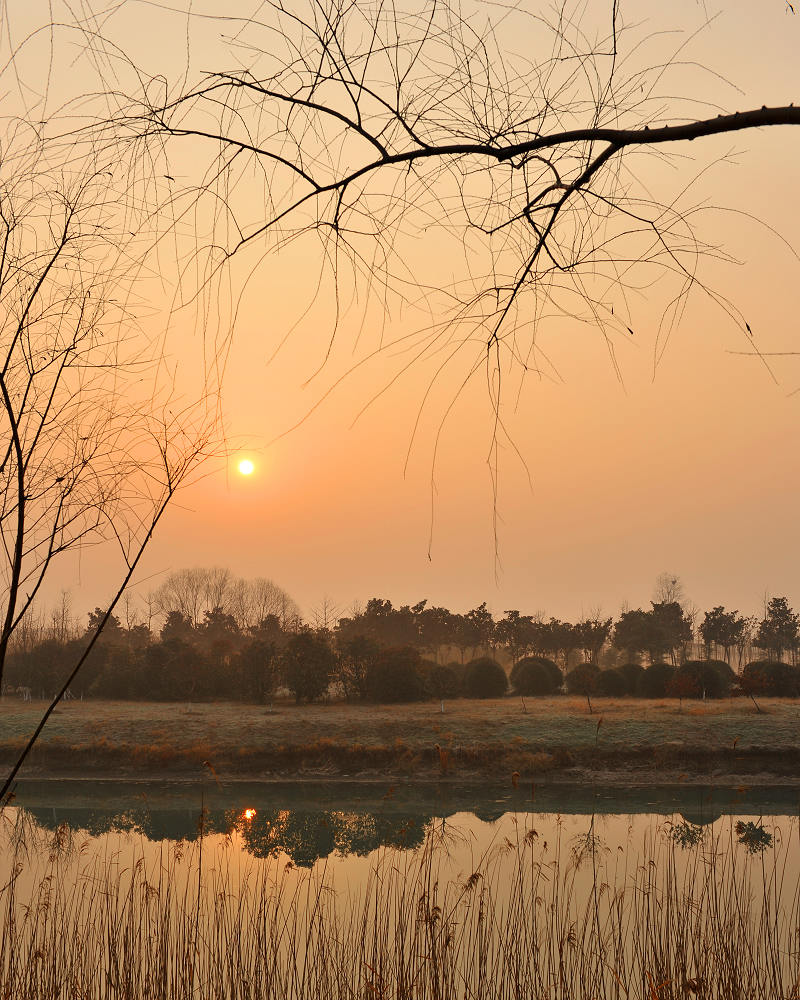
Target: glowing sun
246,467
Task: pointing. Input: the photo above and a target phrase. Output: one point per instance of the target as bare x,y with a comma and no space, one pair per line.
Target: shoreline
498,741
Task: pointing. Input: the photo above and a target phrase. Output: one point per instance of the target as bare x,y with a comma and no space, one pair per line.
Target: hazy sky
690,465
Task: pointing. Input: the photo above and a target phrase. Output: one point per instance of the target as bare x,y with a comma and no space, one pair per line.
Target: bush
485,678
612,684
772,678
631,672
308,663
583,680
440,680
536,675
396,675
710,677
654,681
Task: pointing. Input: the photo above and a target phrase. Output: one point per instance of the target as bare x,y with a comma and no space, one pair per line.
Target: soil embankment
621,741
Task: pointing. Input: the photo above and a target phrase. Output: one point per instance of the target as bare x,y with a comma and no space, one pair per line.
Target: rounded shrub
631,672
395,675
712,678
583,679
654,681
611,684
485,678
440,680
772,678
535,675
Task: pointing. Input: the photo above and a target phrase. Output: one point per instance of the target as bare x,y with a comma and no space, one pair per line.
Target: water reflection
310,821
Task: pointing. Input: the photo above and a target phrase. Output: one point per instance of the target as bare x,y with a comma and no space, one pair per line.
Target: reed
677,914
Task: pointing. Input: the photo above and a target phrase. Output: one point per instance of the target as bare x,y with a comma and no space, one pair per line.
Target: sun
246,467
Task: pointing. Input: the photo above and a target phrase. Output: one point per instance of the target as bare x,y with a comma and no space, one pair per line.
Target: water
405,891
309,821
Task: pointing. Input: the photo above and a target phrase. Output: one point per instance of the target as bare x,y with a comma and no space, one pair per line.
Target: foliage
772,678
612,683
631,672
485,678
396,675
687,834
536,675
583,680
357,656
441,680
753,836
780,629
709,678
724,629
307,665
654,681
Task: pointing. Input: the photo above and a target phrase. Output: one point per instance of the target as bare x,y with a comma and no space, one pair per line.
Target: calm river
404,891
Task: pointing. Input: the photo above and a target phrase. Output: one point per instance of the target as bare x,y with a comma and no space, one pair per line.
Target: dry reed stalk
568,919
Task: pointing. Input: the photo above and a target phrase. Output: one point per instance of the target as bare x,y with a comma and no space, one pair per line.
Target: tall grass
525,919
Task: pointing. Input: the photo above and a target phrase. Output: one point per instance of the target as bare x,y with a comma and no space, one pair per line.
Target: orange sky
691,467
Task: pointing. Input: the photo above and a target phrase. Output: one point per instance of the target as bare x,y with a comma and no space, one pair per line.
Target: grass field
473,737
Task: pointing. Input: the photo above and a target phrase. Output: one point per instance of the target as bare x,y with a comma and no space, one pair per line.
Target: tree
357,658
583,680
369,125
723,629
668,588
485,678
308,664
535,675
96,430
779,631
396,675
665,629
592,634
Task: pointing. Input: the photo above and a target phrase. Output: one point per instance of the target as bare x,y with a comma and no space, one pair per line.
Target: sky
688,465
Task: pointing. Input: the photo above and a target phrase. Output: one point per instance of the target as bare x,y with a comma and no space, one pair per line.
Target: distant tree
177,626
256,669
383,623
112,632
668,589
478,629
435,627
307,664
633,633
219,635
591,635
724,630
485,678
779,630
357,657
665,630
513,632
396,675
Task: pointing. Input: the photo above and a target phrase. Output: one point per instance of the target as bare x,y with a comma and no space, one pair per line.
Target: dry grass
402,738
528,919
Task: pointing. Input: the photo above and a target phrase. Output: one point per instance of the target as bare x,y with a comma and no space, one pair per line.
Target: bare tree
668,588
196,591
369,127
96,437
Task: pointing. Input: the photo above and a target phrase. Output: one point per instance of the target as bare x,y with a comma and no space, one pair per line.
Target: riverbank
623,740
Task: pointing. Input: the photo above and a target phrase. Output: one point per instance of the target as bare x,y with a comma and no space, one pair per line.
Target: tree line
226,638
